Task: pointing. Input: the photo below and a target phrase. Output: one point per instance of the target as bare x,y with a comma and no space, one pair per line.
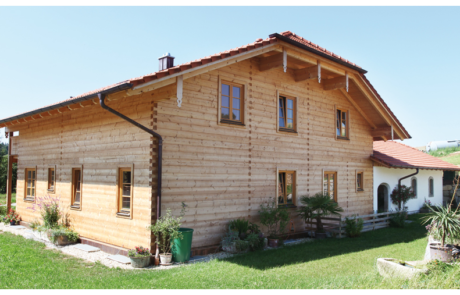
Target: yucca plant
320,205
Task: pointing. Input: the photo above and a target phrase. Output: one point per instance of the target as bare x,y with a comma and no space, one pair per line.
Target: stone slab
87,248
120,259
196,258
17,227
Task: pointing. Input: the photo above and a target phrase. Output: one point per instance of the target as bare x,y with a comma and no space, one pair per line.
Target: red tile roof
397,155
202,61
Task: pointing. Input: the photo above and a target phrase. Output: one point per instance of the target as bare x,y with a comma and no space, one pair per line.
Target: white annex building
394,162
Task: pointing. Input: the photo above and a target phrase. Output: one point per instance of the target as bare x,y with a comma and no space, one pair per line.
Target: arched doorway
382,198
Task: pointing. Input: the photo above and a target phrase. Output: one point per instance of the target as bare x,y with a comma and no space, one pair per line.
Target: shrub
62,231
229,238
401,198
353,227
166,230
139,252
241,245
256,241
3,211
49,210
398,219
12,216
241,226
274,218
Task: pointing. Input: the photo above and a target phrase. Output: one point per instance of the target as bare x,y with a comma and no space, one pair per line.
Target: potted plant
320,205
12,218
166,230
275,219
139,256
425,208
62,236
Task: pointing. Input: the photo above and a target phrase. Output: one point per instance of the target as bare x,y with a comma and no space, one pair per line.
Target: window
330,184
76,187
342,124
286,188
30,183
431,186
51,179
125,191
287,113
231,110
414,185
360,181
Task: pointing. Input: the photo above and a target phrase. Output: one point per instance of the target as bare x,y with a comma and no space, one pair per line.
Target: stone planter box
389,267
140,262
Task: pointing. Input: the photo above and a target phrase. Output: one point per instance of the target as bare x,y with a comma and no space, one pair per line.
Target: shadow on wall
320,249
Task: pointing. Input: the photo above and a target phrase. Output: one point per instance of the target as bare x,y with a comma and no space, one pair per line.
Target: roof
393,154
287,35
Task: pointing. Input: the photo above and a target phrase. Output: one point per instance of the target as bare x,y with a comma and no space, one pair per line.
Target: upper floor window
414,185
232,103
30,183
330,184
431,186
286,188
342,124
287,113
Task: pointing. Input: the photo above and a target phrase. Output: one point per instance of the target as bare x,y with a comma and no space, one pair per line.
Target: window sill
342,138
124,215
287,206
75,207
51,191
360,190
29,200
230,122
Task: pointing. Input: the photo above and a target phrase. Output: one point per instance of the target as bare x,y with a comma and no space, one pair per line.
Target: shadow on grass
320,249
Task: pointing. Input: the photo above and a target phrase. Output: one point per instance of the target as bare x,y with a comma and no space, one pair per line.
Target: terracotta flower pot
13,222
273,243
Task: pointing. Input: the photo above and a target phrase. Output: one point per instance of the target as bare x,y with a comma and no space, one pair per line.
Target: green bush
353,227
256,241
398,219
241,226
241,245
274,218
62,231
3,211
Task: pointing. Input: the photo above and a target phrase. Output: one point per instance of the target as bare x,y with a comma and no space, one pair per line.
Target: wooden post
373,222
9,182
340,227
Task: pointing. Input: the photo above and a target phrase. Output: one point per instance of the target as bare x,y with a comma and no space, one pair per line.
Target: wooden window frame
430,186
243,108
360,189
347,111
51,190
296,113
119,199
416,186
336,197
72,192
294,197
27,198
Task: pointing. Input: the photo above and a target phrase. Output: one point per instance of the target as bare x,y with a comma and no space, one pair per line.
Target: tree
4,167
401,197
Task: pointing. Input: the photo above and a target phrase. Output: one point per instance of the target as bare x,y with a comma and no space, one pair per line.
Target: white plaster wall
391,176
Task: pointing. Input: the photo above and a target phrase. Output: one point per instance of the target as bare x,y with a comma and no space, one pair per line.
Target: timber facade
221,167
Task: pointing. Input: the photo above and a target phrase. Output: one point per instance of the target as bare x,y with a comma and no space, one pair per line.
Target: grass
455,159
330,263
444,152
3,198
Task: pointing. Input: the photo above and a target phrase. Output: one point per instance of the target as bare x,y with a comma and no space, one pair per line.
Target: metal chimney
166,62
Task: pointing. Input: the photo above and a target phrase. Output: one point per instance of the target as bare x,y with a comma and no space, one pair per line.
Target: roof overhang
388,165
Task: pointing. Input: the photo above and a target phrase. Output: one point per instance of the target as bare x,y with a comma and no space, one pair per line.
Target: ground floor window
125,191
286,187
431,186
76,187
360,181
414,185
30,183
330,184
51,179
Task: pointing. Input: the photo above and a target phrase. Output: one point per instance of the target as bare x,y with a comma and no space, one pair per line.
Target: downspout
399,184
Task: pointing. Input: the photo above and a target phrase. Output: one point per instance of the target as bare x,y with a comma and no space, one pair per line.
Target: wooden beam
382,132
336,83
166,93
352,101
179,91
271,62
308,73
9,181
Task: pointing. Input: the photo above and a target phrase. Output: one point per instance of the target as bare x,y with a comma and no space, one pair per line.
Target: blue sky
48,54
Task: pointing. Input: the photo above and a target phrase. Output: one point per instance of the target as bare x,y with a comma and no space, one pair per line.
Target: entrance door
382,198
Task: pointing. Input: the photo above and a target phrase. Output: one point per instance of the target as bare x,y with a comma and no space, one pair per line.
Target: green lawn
3,198
330,263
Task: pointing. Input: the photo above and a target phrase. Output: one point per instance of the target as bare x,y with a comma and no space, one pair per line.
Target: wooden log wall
225,172
100,142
